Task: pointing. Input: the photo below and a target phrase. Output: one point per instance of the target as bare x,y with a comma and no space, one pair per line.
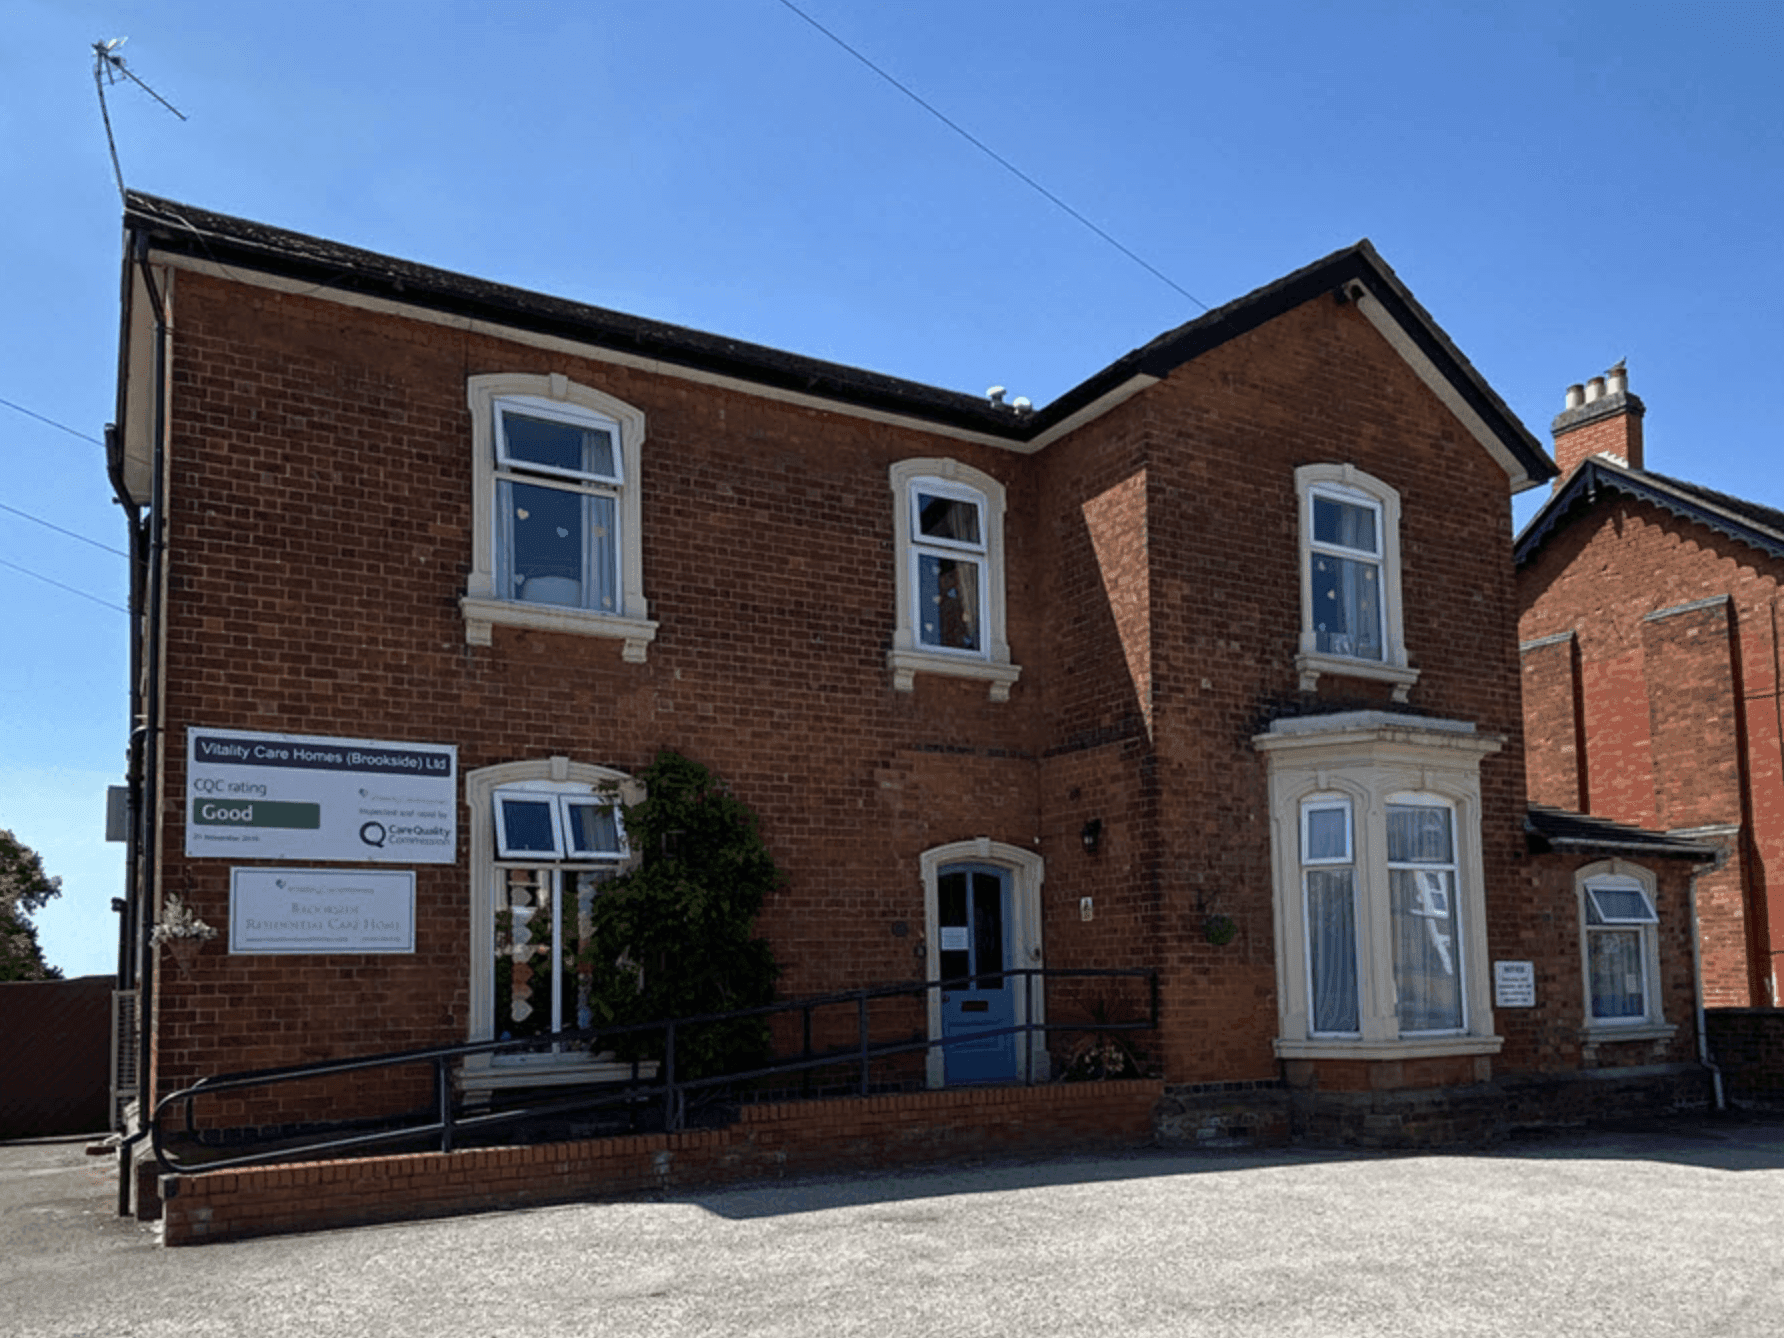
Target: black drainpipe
145,738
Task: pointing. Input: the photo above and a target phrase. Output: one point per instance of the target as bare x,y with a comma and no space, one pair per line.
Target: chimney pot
1576,395
1594,390
1617,380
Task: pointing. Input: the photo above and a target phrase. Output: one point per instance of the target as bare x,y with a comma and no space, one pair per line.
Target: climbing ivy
675,936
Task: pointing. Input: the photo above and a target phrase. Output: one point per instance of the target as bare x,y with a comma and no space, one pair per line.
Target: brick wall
1675,681
1747,1044
769,1142
319,534
1537,919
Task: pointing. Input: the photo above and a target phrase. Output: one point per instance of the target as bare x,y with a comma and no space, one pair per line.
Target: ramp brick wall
768,1142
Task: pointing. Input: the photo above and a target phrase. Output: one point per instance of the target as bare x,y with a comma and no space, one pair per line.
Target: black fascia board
1326,278
1563,831
239,243
1580,494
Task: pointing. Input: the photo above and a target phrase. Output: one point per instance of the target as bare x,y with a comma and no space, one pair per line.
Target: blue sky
1561,184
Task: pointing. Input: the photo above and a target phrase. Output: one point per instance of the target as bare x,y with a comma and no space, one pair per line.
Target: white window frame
1346,483
909,656
1371,759
567,782
483,604
1624,876
560,805
1328,802
1453,953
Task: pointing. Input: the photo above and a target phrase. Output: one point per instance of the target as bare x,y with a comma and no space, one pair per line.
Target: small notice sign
956,938
1514,984
321,910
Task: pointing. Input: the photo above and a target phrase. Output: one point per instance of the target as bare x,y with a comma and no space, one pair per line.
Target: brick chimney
1601,418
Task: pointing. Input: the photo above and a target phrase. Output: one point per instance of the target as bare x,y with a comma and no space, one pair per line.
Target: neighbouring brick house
1649,619
1224,638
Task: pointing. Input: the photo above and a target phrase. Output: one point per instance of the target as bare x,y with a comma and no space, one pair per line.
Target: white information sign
1514,984
321,910
956,938
289,796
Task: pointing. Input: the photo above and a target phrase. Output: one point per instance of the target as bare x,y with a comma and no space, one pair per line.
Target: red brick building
1649,621
1224,639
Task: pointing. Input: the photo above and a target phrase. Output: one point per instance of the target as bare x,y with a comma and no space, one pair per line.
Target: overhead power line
1000,160
71,431
60,586
39,520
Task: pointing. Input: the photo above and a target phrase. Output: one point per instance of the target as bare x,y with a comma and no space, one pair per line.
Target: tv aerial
108,68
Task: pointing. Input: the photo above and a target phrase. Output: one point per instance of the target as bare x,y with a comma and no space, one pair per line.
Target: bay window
1380,916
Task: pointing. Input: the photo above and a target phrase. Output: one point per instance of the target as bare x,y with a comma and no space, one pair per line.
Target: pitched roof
243,245
1558,829
1759,527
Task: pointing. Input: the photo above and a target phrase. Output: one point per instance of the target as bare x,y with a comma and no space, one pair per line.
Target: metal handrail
447,1124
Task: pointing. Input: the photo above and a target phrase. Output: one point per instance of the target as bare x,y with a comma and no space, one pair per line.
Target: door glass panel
950,904
988,948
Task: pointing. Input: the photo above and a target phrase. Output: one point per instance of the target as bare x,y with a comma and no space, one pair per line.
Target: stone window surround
1338,480
481,605
1372,757
480,1073
1653,1024
908,657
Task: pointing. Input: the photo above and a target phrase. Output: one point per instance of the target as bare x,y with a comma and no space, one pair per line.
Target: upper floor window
556,512
948,521
948,565
1620,929
1350,578
558,485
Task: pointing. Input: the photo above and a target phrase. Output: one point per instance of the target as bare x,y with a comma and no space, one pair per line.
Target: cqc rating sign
289,796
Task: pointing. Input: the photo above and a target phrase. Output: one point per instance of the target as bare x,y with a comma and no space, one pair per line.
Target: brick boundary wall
1747,1045
55,1056
767,1142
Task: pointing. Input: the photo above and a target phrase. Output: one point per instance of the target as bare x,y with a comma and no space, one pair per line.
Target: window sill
1311,664
1601,1033
1422,1047
560,1071
482,614
907,664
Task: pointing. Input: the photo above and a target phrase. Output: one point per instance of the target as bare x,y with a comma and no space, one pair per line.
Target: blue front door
973,917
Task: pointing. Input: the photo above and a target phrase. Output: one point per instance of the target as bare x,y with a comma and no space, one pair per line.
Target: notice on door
321,910
289,796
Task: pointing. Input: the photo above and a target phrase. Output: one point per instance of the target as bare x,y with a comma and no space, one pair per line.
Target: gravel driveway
1665,1230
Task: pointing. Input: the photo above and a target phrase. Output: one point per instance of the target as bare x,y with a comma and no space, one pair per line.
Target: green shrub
675,936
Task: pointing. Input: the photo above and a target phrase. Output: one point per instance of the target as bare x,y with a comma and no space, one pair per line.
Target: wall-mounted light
1091,834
